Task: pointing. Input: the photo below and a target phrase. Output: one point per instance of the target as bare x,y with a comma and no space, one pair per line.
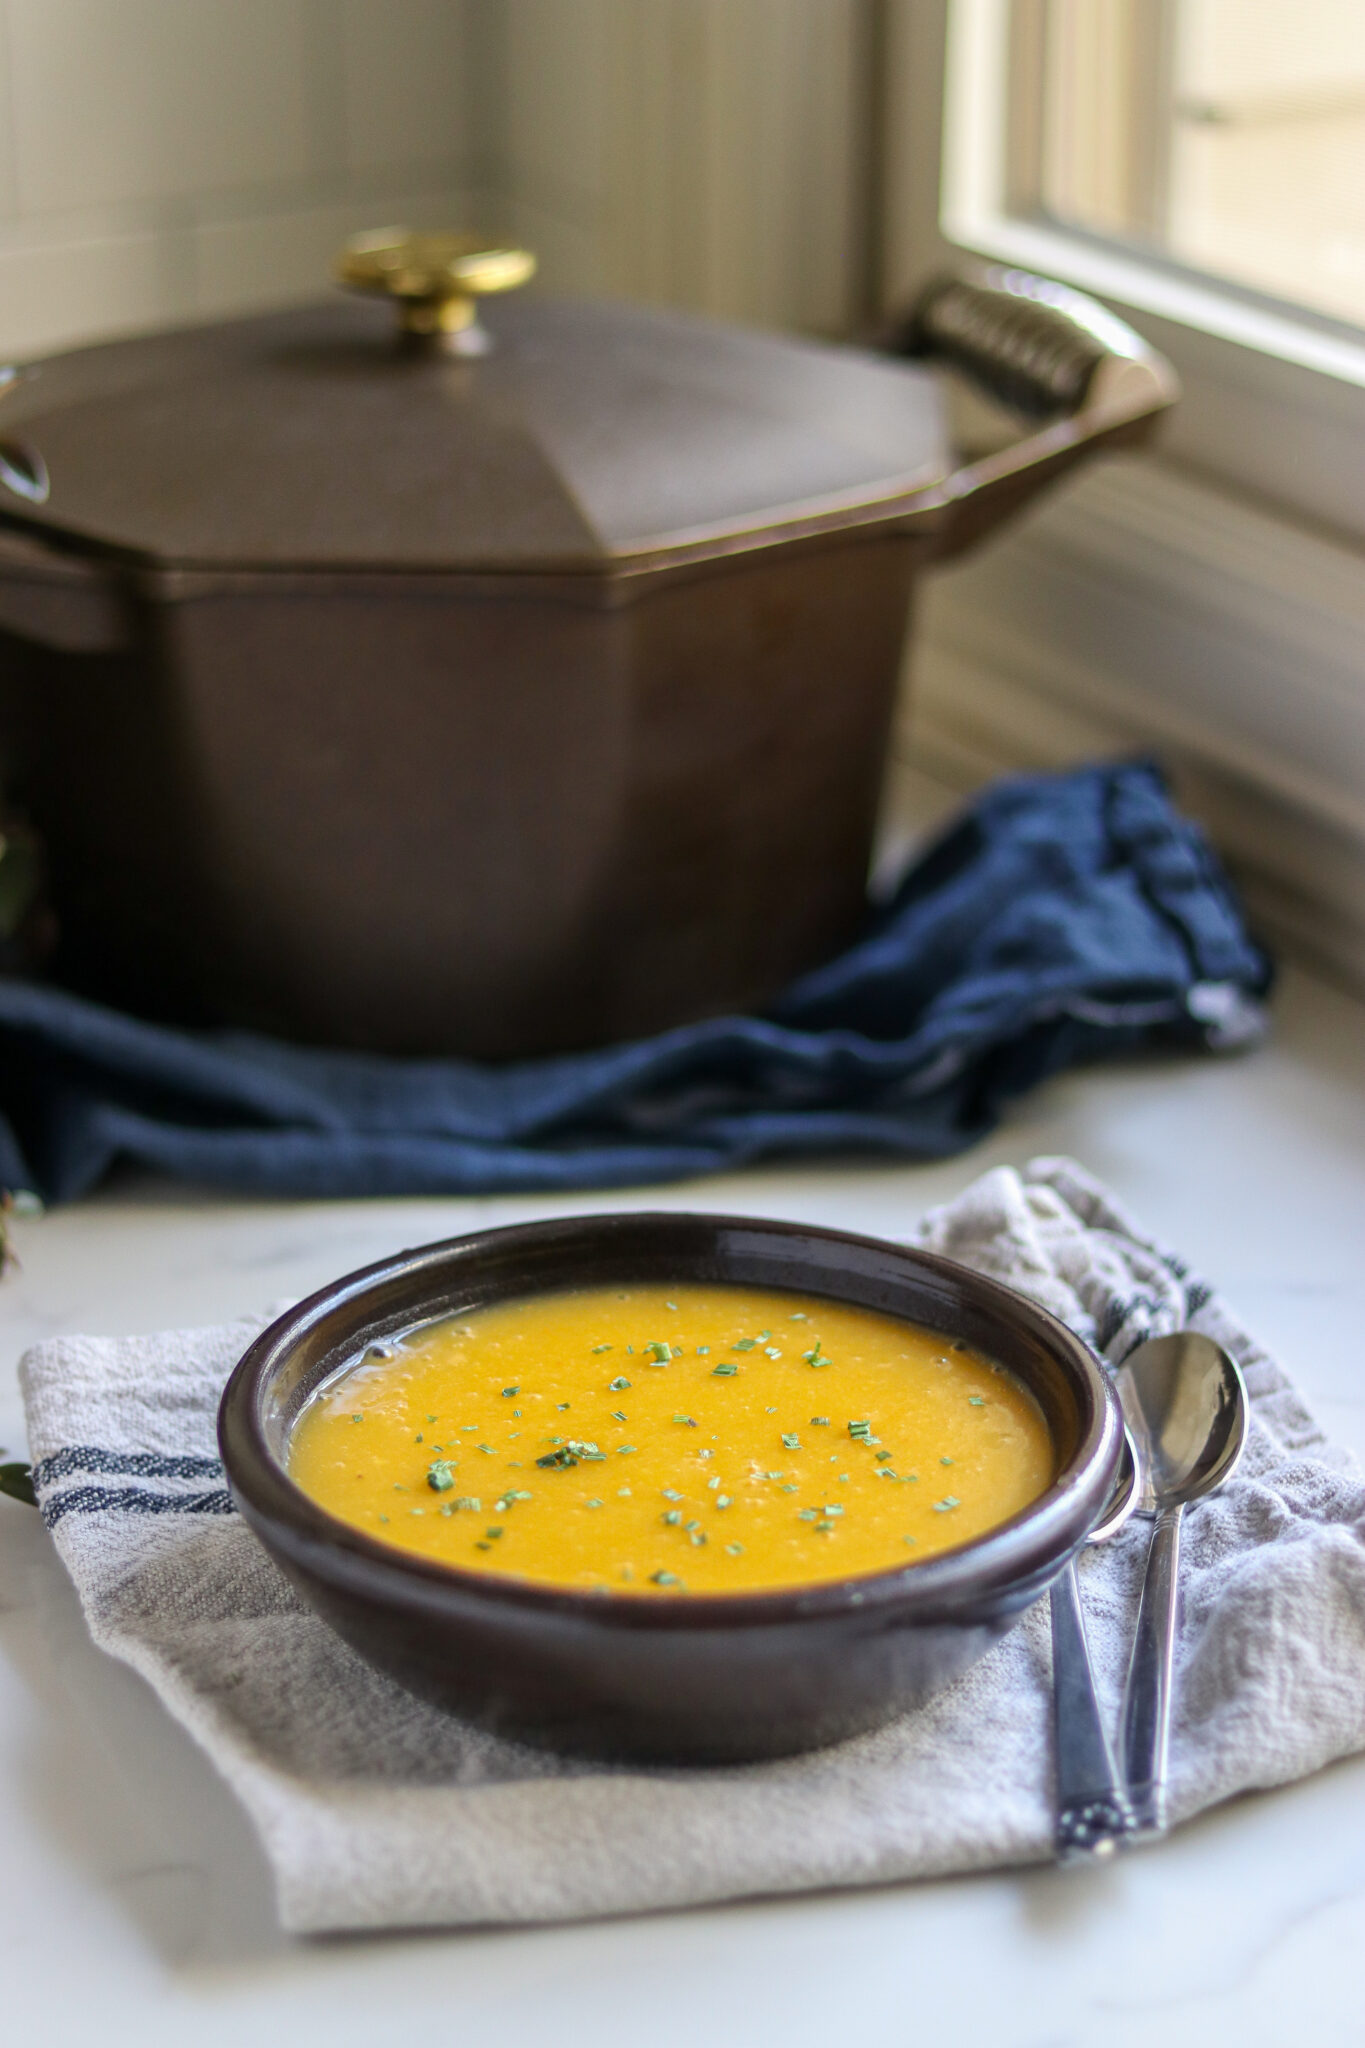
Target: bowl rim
1029,1546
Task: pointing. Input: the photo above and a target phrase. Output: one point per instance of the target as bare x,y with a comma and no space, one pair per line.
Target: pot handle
59,600
1052,354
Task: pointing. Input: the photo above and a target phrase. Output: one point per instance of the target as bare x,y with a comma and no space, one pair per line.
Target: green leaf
16,1480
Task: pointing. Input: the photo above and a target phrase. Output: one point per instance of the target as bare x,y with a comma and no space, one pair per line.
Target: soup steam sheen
699,1440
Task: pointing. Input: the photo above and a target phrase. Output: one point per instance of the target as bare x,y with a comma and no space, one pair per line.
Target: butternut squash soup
704,1440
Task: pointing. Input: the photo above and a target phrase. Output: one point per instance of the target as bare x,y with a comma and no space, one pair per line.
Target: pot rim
1004,1561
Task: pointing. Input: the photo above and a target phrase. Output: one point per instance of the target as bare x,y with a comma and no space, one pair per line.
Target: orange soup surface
701,1439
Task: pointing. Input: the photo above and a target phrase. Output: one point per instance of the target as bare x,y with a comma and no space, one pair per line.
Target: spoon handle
1147,1695
1093,1814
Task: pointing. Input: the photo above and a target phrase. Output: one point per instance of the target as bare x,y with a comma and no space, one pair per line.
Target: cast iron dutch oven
496,688
698,1678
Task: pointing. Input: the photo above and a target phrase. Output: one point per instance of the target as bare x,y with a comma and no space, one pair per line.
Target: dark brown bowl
696,1678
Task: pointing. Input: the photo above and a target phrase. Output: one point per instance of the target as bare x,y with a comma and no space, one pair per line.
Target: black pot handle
1080,375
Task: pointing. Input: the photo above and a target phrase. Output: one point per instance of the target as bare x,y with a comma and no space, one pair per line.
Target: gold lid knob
436,280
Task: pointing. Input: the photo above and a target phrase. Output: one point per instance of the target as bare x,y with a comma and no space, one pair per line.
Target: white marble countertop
137,1906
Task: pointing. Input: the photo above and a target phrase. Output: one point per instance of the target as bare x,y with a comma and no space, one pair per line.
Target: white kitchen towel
376,1811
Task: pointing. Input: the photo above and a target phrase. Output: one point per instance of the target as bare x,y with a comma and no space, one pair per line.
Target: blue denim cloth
1060,919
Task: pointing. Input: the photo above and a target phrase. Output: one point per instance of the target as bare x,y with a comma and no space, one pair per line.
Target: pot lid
585,436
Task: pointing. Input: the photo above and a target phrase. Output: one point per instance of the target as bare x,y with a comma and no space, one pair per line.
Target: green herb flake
418,1438
441,1475
696,1537
976,1400
625,1450
745,1344
618,1415
799,1316
664,1579
618,1385
673,1305
945,1461
687,1420
703,1351
495,1531
790,1440
771,1351
722,1500
623,1493
487,1450
724,1372
583,1449
561,1458
416,1511
510,1393
357,1418
833,1508
598,1349
592,1503
884,1457
670,1493
815,1356
659,1354
790,1488
908,1539
823,1529
734,1550
807,1514
714,1481
672,1516
482,1546
384,1518
949,1500
561,1406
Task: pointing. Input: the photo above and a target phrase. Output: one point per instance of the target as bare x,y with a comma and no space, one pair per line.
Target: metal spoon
1187,1404
1093,1814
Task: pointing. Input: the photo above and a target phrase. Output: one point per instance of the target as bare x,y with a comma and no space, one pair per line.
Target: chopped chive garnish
669,1493
722,1500
618,1415
487,1450
495,1531
790,1487
945,1461
509,1393
482,1546
563,1456
441,1475
734,1550
883,1457
745,1344
672,1516
771,1351
689,1420
598,1349
471,1501
724,1372
623,1493
384,1518
799,1317
819,1422
418,1438
659,1353
357,1418
664,1579
618,1385
949,1500
714,1481
834,1509
909,1539
673,1305
696,1537
822,1528
806,1514
703,1351
592,1503
624,1450
790,1440
976,1400
815,1356
561,1406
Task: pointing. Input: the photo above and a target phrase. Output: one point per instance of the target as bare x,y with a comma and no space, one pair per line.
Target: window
1200,164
